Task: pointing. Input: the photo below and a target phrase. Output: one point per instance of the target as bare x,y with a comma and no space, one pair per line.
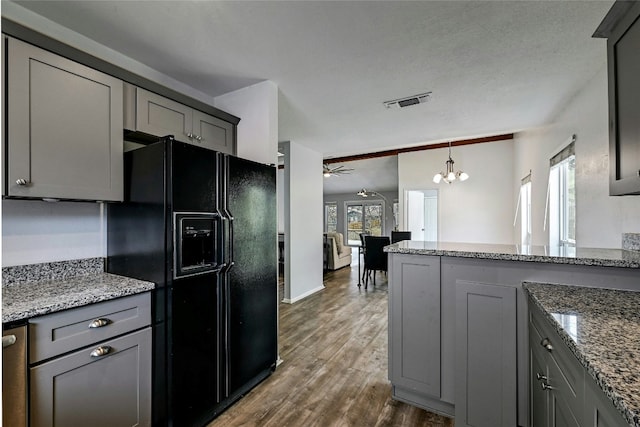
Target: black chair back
374,256
398,236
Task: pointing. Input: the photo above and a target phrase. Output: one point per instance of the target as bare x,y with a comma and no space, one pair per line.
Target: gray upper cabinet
621,27
160,116
64,128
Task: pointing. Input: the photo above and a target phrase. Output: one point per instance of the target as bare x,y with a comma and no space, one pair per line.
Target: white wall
303,218
34,231
600,219
257,106
479,210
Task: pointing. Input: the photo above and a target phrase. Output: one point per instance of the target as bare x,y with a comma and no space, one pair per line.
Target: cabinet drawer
68,330
81,389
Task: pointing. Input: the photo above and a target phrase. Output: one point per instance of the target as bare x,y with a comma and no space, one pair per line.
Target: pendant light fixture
449,175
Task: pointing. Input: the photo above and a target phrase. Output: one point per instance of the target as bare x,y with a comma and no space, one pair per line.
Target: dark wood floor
334,371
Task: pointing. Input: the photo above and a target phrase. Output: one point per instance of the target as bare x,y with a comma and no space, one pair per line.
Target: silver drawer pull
22,182
99,323
546,344
8,340
546,386
541,377
101,351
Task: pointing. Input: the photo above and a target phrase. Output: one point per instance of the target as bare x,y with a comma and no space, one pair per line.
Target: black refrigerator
202,225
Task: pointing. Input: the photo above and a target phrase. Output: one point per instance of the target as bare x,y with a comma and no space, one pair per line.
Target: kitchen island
458,321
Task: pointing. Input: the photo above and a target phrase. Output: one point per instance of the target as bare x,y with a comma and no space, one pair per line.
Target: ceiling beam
395,152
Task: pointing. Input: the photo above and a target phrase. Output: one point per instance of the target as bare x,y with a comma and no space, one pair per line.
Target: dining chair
375,259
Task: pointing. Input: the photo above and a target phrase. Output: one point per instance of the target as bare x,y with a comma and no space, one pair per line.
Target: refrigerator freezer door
252,287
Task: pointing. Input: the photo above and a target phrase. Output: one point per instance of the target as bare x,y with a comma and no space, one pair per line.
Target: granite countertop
544,254
34,290
602,329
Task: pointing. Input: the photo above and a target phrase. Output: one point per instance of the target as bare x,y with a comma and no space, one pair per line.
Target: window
331,217
364,217
525,212
562,198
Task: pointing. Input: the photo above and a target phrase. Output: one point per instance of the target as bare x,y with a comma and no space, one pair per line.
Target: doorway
422,214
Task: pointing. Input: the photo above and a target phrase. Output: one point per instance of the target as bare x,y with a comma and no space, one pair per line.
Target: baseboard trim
303,296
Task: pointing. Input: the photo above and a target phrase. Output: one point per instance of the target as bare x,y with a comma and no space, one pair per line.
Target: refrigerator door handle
231,259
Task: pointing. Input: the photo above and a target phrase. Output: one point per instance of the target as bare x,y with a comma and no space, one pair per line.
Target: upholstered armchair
339,254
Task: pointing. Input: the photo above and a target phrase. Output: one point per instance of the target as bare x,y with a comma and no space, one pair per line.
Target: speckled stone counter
604,336
34,290
541,254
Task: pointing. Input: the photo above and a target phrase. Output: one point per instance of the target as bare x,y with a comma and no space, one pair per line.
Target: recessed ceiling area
493,67
379,174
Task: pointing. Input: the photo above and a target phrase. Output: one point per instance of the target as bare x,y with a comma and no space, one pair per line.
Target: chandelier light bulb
450,174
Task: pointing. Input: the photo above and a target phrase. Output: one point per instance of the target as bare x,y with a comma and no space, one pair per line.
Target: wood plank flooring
334,371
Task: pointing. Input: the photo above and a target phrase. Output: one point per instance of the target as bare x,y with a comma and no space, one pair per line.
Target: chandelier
449,175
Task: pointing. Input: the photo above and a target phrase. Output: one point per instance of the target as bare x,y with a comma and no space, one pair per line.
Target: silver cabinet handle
99,323
190,135
101,351
541,377
198,137
22,182
546,386
8,340
546,344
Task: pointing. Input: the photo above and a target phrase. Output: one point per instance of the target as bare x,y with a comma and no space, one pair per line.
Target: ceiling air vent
408,101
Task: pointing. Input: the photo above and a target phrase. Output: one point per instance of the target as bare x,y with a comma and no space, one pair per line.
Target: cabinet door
81,390
64,128
414,324
486,377
624,104
213,133
600,411
160,116
539,396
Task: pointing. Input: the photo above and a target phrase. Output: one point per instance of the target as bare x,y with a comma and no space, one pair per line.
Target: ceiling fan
328,171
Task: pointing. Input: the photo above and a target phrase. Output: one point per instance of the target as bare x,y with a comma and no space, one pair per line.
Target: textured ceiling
493,66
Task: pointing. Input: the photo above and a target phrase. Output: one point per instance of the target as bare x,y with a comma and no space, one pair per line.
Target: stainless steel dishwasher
14,377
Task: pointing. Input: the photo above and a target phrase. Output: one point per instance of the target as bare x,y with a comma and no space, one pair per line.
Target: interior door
415,214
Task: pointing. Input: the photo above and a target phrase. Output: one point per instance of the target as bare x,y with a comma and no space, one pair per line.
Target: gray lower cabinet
107,385
414,333
91,366
64,128
160,116
486,374
562,394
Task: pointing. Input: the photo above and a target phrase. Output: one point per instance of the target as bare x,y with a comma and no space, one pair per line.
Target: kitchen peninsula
458,321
